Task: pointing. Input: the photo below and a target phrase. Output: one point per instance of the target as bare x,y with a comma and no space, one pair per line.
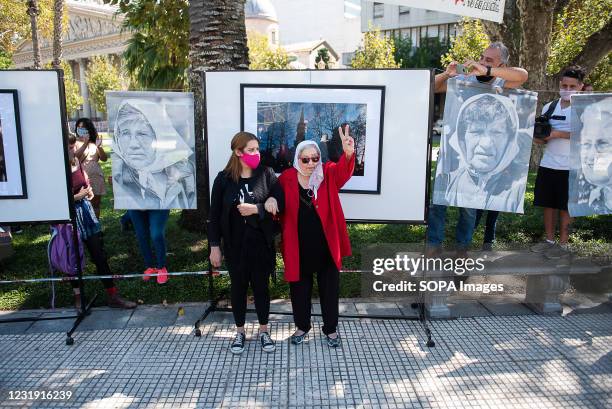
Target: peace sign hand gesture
348,143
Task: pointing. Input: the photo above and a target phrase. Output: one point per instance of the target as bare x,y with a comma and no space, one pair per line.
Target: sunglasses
314,159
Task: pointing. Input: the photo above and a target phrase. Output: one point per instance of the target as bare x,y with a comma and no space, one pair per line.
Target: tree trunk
58,14
33,12
217,41
537,18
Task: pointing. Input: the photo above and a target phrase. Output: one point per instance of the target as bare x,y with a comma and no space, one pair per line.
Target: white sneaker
237,346
267,343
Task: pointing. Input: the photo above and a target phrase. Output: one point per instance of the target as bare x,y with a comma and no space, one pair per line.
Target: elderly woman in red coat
314,233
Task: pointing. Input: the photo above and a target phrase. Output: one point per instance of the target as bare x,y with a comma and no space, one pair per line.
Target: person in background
314,233
552,182
245,197
90,231
90,152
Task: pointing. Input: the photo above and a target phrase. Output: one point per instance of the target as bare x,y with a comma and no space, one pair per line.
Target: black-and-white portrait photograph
484,150
284,116
153,157
590,180
12,170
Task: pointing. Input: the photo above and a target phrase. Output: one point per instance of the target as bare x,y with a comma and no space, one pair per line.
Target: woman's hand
348,143
247,209
83,193
90,195
215,256
271,206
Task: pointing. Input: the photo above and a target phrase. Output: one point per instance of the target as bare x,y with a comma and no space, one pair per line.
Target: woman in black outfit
245,197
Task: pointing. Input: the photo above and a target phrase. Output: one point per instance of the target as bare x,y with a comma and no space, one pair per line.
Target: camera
542,127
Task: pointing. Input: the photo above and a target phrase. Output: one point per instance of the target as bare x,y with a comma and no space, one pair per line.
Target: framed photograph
484,150
282,116
590,176
12,169
153,155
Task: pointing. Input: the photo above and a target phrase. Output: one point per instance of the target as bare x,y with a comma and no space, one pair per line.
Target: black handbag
542,127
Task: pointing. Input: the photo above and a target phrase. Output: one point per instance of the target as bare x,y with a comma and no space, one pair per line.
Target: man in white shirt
552,182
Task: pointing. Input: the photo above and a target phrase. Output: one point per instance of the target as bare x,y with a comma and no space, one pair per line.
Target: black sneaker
267,344
298,339
333,342
238,344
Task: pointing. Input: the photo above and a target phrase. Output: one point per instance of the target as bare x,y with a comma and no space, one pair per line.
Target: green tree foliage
102,76
15,22
575,24
377,51
264,57
322,55
427,55
157,55
74,100
469,45
5,60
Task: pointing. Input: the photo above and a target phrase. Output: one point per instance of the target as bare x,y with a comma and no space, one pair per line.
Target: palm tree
58,14
217,41
33,12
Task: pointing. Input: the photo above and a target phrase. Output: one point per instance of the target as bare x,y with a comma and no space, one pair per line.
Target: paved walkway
149,358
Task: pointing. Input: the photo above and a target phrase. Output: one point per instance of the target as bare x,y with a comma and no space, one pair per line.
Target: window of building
352,8
404,10
379,10
273,36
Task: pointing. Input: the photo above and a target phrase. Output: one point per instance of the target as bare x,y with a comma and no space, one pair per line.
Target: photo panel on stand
590,179
391,128
34,170
153,157
485,147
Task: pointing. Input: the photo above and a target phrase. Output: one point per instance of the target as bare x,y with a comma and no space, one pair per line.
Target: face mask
252,161
82,132
566,94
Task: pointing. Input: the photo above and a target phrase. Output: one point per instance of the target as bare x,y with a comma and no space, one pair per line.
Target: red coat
328,207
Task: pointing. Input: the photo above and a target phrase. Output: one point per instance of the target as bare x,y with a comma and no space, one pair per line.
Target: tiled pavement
151,359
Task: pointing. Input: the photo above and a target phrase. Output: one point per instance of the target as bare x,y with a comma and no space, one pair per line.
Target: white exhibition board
44,153
405,149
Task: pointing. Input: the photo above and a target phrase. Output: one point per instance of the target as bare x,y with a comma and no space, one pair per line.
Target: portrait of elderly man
486,140
151,163
593,181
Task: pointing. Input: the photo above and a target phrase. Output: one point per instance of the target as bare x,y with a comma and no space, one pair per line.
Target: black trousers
328,280
95,247
258,279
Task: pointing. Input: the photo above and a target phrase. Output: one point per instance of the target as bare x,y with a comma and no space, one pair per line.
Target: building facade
408,22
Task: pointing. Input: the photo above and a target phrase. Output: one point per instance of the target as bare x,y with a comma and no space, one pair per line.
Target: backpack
62,254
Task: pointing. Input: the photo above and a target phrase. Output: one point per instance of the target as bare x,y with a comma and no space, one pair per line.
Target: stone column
83,84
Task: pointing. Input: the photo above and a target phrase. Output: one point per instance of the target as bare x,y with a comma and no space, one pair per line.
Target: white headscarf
316,178
512,148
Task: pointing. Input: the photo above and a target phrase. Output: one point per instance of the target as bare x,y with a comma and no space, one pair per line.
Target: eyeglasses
314,159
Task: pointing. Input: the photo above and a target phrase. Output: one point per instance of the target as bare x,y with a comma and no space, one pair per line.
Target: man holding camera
492,69
552,183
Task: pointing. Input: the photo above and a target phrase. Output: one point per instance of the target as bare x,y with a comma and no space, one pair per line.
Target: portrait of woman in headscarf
489,175
152,165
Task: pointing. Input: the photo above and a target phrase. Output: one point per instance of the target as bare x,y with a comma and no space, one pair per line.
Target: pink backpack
62,254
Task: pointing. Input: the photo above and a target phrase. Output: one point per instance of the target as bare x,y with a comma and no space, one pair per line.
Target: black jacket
224,192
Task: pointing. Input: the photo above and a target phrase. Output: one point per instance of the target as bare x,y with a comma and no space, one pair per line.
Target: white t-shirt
557,151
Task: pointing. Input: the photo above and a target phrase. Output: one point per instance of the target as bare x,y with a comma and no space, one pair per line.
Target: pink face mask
252,161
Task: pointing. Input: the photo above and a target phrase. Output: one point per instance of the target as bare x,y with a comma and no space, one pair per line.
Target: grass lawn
187,252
